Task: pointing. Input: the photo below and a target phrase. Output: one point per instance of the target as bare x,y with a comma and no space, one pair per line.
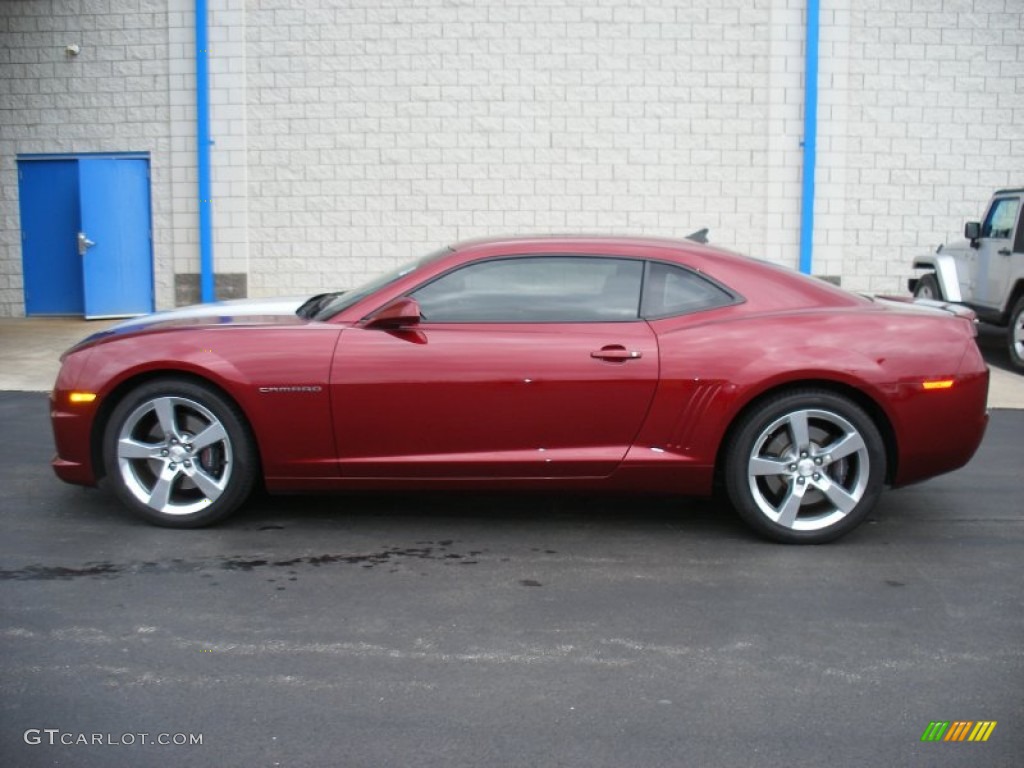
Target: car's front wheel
179,453
805,467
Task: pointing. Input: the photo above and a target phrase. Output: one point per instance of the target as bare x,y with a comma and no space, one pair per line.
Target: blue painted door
86,247
52,270
117,271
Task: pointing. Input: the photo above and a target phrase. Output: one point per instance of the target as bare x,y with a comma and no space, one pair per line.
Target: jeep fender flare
945,273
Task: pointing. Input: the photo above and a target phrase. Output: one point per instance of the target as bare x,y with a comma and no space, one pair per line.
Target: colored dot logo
958,730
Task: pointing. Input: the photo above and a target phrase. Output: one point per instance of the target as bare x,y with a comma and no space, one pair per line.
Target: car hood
217,310
274,311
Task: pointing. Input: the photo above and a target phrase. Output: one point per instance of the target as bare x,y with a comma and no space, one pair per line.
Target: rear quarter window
672,290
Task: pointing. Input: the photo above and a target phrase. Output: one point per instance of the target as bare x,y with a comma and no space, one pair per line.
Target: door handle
84,243
616,354
1005,252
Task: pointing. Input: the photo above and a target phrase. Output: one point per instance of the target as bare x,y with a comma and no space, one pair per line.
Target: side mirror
972,231
402,312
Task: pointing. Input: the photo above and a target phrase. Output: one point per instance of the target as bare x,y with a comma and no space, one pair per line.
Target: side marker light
81,397
938,384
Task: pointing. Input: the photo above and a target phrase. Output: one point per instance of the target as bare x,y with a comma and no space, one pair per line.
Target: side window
535,289
672,290
1001,219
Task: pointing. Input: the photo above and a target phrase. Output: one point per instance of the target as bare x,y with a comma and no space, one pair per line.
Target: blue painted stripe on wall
206,284
810,142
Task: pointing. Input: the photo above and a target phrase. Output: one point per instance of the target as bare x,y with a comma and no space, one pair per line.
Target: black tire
928,288
179,453
815,449
1015,336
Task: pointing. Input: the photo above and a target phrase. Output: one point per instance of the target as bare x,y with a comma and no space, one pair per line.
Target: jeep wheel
928,288
1015,335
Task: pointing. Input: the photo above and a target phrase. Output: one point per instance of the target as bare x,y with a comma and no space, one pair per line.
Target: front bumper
72,423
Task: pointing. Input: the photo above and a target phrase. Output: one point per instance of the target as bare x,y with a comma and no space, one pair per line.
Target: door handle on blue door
616,354
84,243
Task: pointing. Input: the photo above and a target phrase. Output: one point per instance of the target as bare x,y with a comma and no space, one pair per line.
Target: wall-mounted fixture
72,50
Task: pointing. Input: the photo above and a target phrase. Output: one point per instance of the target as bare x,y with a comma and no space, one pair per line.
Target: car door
530,367
995,251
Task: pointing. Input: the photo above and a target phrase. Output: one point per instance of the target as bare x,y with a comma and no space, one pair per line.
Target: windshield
348,298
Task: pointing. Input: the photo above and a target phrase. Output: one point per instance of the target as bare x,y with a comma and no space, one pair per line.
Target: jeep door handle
1005,252
616,354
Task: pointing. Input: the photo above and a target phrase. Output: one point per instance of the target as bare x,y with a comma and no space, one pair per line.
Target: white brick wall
351,135
922,110
377,130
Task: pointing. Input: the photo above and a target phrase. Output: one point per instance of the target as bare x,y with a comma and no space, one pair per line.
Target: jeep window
1001,219
1018,244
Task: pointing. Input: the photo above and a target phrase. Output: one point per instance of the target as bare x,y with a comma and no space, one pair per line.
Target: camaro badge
292,388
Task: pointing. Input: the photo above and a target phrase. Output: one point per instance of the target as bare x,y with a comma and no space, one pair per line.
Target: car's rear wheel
179,453
1015,335
805,467
928,288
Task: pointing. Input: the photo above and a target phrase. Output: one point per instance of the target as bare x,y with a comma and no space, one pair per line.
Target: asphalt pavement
506,630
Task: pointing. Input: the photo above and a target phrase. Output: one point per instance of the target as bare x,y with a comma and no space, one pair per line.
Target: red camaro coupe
619,363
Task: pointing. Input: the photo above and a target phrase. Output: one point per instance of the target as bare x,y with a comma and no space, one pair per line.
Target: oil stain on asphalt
388,556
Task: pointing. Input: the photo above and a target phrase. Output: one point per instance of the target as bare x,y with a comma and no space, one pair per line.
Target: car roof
576,240
698,254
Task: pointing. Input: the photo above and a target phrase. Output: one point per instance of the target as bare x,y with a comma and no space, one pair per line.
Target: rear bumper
943,429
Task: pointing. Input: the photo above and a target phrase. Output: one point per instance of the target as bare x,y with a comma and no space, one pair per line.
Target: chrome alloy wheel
1016,332
174,455
808,469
